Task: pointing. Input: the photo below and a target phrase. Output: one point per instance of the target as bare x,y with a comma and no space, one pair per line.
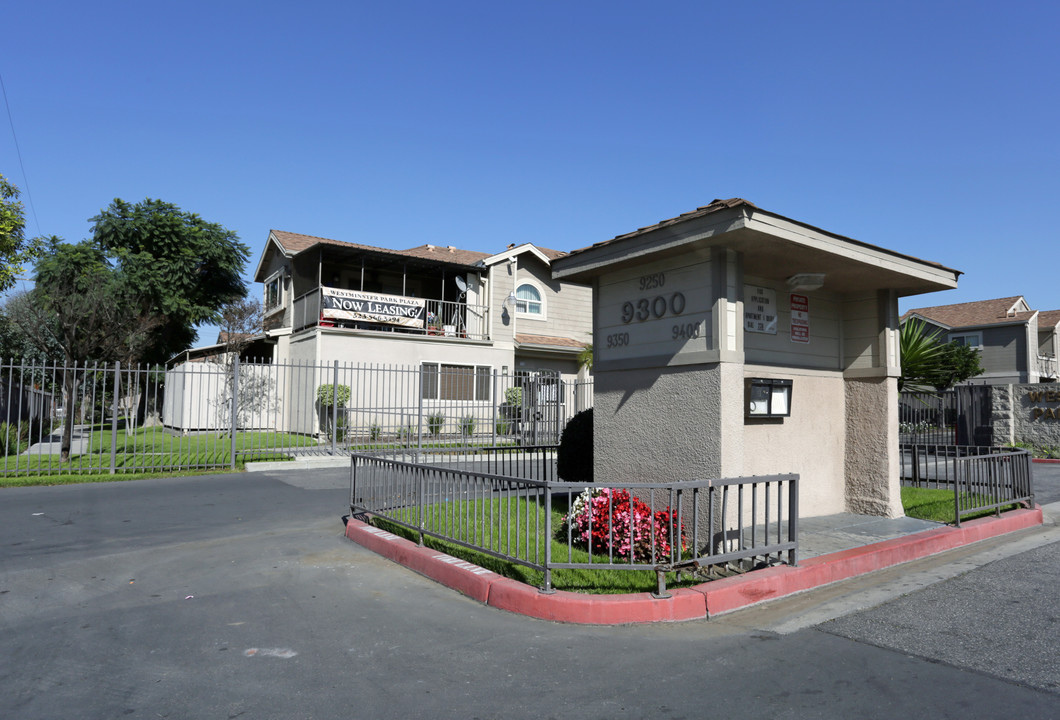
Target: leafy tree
15,250
186,269
956,363
928,363
83,307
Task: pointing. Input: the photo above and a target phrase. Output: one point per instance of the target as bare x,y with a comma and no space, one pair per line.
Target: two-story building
464,311
1017,343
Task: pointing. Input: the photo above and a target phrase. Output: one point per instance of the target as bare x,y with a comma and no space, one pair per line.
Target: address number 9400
653,308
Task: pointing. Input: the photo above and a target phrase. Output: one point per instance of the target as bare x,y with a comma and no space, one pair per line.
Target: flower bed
611,521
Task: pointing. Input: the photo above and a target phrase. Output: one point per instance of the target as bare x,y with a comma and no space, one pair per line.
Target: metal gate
958,416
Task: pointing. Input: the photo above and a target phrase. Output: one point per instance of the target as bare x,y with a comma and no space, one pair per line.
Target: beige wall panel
822,351
811,442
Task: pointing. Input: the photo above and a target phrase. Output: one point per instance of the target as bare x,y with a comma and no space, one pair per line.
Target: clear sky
929,128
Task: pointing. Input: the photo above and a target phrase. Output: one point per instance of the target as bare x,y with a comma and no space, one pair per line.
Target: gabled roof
545,255
999,311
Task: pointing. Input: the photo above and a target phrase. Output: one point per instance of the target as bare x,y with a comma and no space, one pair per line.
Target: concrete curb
702,601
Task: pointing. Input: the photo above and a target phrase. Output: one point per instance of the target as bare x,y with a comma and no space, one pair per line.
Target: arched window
528,300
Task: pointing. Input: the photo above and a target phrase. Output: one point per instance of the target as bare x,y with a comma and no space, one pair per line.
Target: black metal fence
224,412
982,478
548,524
958,416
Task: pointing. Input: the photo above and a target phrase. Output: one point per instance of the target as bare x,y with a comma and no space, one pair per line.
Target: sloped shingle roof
973,314
296,243
527,339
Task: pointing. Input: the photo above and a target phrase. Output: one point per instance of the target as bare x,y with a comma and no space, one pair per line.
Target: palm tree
921,354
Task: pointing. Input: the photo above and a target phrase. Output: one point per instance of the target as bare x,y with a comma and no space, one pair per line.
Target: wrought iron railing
684,527
443,319
982,478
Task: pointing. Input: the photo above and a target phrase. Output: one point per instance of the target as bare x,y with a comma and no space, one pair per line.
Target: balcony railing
1047,367
444,318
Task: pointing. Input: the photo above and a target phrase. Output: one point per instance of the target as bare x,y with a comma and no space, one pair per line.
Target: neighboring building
328,300
471,322
1017,344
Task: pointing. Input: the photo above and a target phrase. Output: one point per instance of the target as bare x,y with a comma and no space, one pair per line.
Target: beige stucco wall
658,424
873,485
812,442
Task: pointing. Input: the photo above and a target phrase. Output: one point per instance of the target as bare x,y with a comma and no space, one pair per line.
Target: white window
274,292
456,382
528,300
969,339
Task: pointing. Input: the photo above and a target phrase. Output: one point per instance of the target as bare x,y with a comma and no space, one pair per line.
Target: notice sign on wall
338,304
760,310
800,319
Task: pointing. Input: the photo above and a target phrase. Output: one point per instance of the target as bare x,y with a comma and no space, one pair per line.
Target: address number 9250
653,308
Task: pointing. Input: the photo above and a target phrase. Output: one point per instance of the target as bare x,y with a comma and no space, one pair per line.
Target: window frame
278,278
522,305
437,386
964,336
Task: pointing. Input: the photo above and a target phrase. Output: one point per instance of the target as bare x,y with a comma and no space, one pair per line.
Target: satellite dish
461,284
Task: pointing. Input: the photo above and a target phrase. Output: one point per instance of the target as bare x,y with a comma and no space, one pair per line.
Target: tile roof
526,339
970,314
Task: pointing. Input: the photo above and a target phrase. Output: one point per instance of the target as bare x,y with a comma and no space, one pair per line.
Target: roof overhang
514,252
773,248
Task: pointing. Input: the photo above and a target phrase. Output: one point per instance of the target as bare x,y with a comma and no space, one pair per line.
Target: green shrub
467,425
326,394
14,438
435,421
374,432
574,459
504,427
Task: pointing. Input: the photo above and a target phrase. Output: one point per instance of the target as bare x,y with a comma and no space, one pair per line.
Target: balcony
1047,368
356,310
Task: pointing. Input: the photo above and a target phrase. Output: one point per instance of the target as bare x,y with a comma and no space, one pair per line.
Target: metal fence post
334,405
115,388
233,421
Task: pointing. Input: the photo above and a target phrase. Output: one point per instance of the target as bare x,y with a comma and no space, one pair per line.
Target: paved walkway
52,444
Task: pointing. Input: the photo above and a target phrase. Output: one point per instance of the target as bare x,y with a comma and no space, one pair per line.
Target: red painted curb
562,606
1046,460
740,591
706,600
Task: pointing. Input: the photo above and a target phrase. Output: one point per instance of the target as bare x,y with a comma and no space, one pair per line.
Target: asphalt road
237,596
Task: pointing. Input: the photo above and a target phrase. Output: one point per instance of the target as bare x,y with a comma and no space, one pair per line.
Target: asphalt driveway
237,596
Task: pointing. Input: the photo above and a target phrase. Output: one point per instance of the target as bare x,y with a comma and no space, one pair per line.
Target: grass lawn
937,505
146,452
492,524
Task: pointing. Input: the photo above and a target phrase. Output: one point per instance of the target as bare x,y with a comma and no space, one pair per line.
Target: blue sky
929,128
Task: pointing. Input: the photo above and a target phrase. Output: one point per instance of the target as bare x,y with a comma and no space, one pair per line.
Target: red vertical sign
800,319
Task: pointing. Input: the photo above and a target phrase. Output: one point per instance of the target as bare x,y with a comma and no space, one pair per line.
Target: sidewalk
831,548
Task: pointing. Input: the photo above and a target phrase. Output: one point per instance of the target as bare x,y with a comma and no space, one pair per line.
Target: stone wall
1026,413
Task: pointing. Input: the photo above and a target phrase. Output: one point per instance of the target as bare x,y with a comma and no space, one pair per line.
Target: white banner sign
338,304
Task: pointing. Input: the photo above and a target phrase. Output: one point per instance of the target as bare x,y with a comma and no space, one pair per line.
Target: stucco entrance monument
732,341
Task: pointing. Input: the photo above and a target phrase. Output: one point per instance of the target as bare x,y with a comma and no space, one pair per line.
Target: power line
18,151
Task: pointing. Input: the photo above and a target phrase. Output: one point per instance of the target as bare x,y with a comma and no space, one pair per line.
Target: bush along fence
224,412
981,477
699,528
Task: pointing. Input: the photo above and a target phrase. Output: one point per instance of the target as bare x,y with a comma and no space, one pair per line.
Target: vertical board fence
112,418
